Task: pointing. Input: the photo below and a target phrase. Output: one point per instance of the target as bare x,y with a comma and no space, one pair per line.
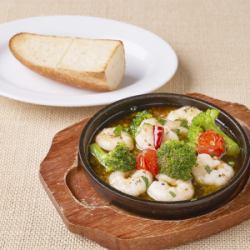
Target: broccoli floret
205,121
137,120
193,135
118,159
176,159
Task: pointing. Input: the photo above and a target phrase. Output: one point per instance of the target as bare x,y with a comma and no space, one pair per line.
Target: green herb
145,179
194,199
231,163
126,129
177,131
118,129
208,169
184,123
161,121
173,194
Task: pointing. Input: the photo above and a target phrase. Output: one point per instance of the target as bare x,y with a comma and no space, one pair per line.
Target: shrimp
107,139
174,126
144,135
185,113
169,189
170,135
134,185
173,130
211,171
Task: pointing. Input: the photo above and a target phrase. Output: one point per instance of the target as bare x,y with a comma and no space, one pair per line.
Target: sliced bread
96,64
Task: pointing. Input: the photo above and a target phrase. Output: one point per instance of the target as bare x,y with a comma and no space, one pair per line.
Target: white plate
150,61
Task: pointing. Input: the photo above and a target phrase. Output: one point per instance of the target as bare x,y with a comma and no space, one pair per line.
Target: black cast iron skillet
157,209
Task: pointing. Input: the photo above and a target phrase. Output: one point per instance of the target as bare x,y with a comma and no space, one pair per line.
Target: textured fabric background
212,40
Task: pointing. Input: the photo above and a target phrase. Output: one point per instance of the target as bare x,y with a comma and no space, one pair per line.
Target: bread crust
85,80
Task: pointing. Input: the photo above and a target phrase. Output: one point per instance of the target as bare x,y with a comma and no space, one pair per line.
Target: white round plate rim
165,69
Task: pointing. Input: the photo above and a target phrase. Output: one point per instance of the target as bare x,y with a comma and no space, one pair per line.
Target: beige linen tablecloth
212,40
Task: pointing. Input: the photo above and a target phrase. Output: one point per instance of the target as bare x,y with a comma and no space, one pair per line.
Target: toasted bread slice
96,64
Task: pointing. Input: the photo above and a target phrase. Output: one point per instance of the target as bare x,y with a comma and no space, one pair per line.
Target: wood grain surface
84,211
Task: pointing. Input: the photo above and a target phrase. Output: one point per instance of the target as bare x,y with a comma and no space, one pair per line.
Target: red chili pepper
158,132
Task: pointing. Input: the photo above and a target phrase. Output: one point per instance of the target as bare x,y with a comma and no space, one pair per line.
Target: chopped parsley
145,179
184,123
118,129
177,131
208,169
161,121
173,194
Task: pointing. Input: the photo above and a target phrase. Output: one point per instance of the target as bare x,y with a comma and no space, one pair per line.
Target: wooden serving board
86,213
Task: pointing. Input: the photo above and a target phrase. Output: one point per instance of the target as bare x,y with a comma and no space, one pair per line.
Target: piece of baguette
96,64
